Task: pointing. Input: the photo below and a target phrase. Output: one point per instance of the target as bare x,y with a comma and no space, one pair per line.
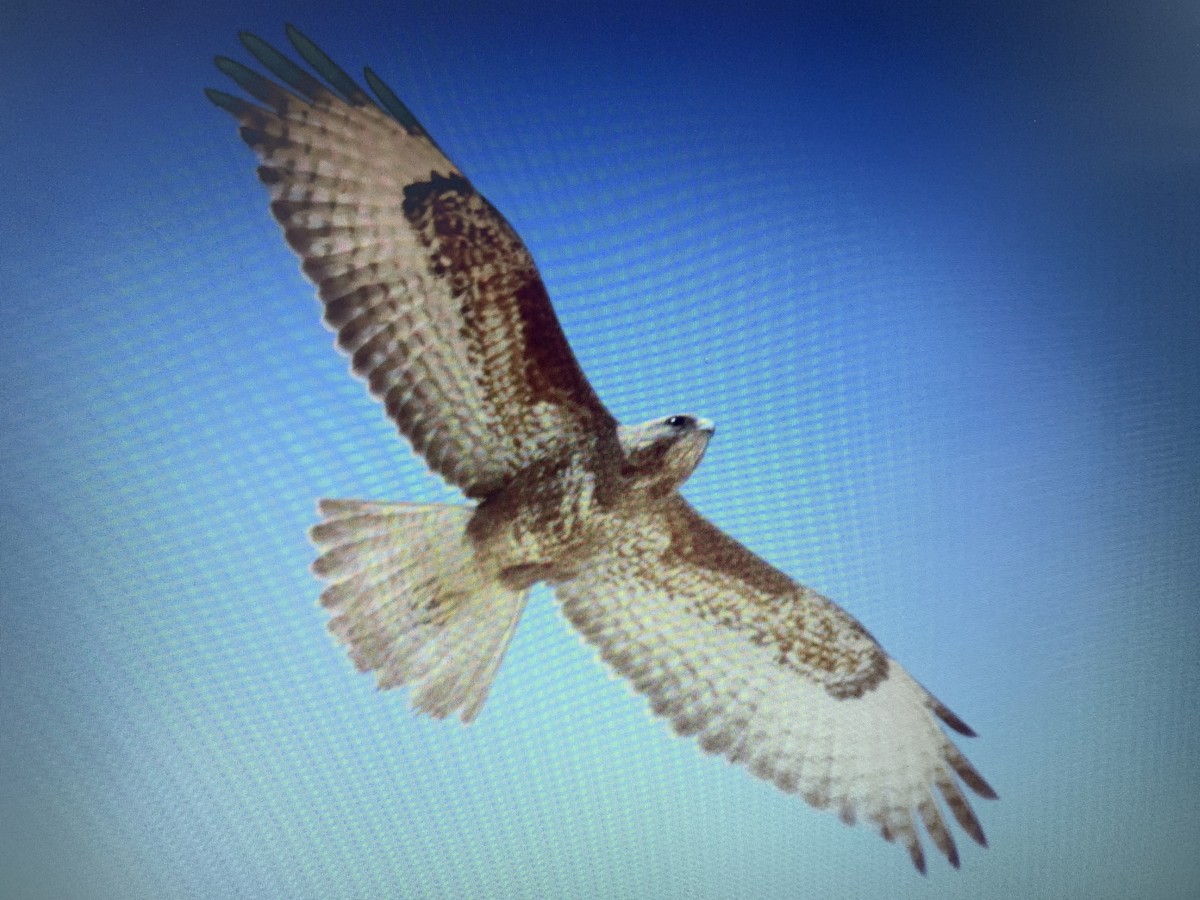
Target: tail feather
411,601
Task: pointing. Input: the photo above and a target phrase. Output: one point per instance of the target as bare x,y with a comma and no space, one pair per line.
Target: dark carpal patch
816,639
478,254
802,630
422,197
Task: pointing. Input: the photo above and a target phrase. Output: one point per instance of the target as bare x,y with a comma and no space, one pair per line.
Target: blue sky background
936,276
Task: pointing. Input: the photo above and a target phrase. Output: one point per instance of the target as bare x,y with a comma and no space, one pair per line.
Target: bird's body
441,309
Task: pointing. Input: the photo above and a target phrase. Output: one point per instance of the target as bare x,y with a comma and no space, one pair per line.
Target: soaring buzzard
441,309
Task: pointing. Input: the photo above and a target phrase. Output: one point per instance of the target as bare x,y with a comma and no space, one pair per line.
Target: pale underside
441,309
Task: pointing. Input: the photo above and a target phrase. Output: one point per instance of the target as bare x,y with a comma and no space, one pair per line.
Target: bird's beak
707,426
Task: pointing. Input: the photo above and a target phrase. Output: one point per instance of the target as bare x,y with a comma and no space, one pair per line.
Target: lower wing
774,676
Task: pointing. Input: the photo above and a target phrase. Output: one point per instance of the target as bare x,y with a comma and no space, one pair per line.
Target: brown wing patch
432,293
804,630
507,316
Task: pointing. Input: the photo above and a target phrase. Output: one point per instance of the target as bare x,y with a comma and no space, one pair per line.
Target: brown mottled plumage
441,309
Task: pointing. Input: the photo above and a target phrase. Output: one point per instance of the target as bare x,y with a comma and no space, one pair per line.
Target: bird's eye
679,421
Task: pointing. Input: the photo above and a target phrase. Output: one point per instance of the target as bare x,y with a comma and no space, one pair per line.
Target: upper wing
773,675
430,290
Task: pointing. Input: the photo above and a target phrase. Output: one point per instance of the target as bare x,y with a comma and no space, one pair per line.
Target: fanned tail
411,602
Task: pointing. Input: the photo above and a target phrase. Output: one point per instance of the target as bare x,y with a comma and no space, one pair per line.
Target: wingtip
227,102
392,103
250,41
228,66
944,713
300,81
326,67
296,37
918,860
302,42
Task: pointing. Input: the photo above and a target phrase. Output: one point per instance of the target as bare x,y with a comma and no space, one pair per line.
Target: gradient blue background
936,276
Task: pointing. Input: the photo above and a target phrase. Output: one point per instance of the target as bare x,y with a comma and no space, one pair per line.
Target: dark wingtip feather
392,103
228,102
262,89
936,826
983,789
329,70
281,66
960,807
970,776
918,857
952,720
400,112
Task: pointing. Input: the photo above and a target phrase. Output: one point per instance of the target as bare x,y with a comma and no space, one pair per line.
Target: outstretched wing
431,292
772,675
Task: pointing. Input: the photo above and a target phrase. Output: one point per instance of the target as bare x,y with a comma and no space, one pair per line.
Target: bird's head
662,453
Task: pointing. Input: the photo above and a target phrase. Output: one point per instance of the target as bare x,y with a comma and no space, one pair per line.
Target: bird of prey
441,309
